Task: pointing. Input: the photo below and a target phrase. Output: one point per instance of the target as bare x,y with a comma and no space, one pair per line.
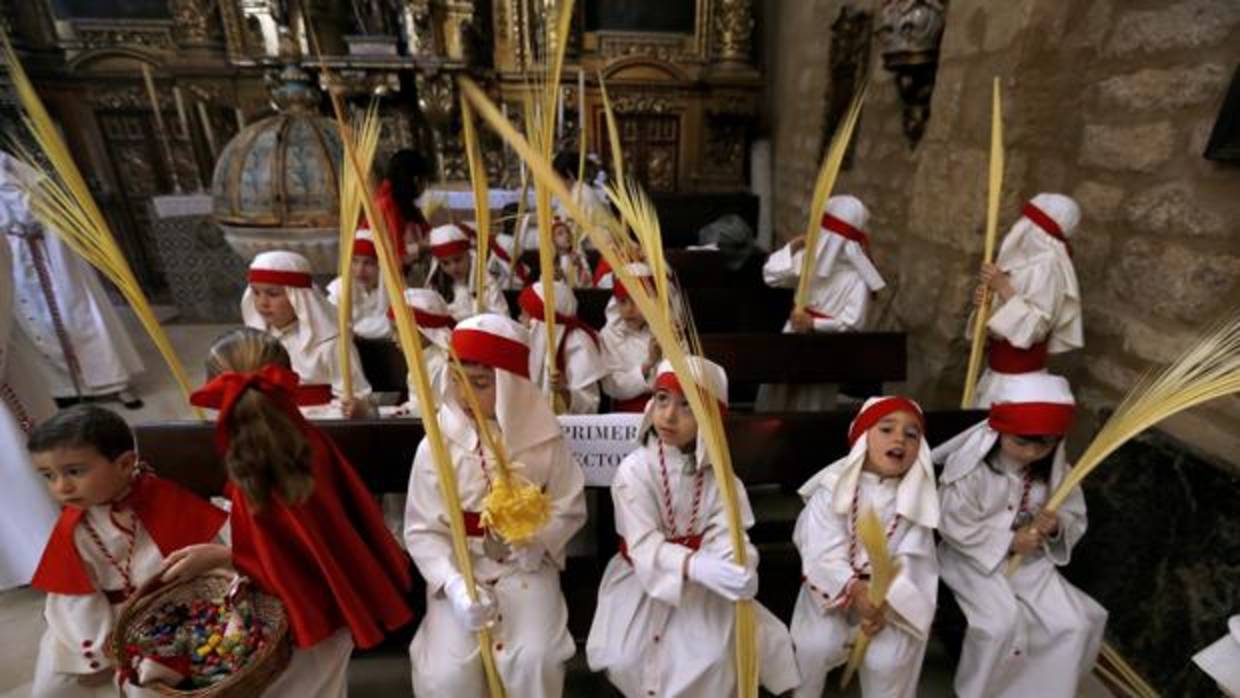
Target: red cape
172,516
330,560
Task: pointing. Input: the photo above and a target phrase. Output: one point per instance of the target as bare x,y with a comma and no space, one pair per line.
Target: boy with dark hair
118,523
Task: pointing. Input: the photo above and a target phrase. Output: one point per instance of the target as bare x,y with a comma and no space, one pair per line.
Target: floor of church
373,674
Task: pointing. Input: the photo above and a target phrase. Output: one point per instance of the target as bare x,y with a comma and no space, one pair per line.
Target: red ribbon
874,414
1032,418
1046,223
276,382
296,279
844,229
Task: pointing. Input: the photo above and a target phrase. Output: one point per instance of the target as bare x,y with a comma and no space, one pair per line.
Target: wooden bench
773,454
693,267
750,358
715,309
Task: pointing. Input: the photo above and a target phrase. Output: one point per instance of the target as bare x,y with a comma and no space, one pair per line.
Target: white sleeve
565,487
782,269
852,318
914,592
658,563
333,291
822,540
80,624
1072,525
427,535
964,525
624,383
1027,318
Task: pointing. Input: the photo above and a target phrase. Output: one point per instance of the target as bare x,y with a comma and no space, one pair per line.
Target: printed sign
600,442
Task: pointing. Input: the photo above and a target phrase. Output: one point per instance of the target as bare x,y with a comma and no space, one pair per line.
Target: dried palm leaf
883,571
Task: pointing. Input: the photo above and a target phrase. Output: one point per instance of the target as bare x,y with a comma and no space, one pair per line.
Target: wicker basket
264,666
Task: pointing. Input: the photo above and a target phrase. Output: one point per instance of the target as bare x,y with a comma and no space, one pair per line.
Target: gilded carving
664,49
908,34
641,104
193,20
733,30
154,38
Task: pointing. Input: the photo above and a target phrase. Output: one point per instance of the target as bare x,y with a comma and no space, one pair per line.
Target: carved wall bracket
908,33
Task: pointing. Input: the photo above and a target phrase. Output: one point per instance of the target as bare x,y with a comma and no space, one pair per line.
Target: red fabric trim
670,381
633,404
295,279
330,560
875,412
815,314
1046,223
603,269
532,304
692,542
449,249
1002,357
618,290
365,248
844,229
492,350
426,319
473,524
1032,418
171,515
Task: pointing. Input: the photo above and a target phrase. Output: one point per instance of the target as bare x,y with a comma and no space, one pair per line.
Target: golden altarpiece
681,74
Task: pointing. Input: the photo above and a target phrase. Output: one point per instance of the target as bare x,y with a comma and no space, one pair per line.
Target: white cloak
370,309
531,639
1031,635
583,366
654,632
823,631
625,351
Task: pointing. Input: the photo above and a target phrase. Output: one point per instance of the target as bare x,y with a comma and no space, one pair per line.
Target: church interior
211,135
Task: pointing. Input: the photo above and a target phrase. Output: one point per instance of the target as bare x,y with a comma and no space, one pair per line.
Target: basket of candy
213,635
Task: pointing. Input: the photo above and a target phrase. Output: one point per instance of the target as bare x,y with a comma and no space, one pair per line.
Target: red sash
691,542
1005,358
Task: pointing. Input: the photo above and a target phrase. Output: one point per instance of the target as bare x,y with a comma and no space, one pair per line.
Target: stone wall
1110,101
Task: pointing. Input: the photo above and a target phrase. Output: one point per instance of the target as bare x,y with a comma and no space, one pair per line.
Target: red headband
670,381
844,229
427,319
874,414
296,279
1046,223
451,248
276,382
1032,418
365,248
479,346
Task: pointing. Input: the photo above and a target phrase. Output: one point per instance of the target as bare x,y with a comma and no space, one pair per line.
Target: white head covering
1221,660
15,177
638,269
1029,244
449,239
707,374
1025,398
916,497
521,409
316,317
434,319
835,249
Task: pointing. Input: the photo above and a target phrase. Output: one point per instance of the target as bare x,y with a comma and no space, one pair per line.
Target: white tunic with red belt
654,632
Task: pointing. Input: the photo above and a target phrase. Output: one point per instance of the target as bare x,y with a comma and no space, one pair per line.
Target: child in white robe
369,300
578,355
83,347
665,617
572,267
1032,634
508,274
452,274
888,470
1221,660
519,594
282,301
118,524
29,509
629,350
844,279
435,325
1036,306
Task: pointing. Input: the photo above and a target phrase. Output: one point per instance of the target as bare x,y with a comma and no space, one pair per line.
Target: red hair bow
276,382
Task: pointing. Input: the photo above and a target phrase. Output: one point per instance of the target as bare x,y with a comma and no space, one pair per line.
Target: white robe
842,295
654,632
583,366
78,625
320,364
824,632
530,636
370,308
1031,635
29,510
105,356
575,270
625,351
1046,307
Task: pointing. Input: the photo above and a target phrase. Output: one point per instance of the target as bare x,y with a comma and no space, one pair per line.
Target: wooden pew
692,267
773,454
715,309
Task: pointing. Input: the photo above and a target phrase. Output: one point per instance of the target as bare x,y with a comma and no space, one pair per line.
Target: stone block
1099,202
1174,282
965,30
1173,210
1154,89
1005,23
1090,30
945,104
1111,373
1139,148
1185,24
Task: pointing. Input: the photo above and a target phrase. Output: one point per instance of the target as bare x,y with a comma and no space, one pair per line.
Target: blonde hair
268,455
